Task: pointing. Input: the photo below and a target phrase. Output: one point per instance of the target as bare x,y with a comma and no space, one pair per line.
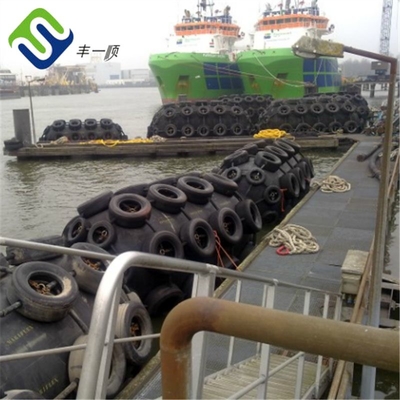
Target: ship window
328,66
212,83
234,67
279,21
321,80
237,83
203,26
225,83
223,69
190,28
308,78
295,20
272,22
210,69
308,65
320,65
288,20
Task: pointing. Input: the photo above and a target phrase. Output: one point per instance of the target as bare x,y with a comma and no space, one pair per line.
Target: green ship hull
195,76
278,72
275,72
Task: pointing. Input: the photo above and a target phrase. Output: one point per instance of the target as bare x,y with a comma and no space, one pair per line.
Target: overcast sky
140,27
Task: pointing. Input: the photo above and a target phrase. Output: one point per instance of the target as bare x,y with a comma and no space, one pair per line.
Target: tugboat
270,67
199,63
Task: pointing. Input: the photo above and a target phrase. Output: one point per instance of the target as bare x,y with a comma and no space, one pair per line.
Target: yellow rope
270,134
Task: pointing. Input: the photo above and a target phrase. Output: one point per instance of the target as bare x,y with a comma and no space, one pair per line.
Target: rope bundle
333,184
293,239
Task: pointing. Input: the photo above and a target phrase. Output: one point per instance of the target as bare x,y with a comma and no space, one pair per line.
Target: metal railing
101,333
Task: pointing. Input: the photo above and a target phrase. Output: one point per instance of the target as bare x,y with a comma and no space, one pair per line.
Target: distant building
136,75
102,72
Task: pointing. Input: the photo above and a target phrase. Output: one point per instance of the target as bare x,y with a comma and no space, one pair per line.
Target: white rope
332,184
295,238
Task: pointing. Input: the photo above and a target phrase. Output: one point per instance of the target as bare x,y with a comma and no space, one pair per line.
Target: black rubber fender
29,285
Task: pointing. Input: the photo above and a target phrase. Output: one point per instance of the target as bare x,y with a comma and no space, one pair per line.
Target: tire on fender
272,195
250,216
75,231
134,320
162,299
117,368
88,271
166,198
233,173
197,190
95,205
129,210
198,236
165,243
290,184
221,184
40,301
102,234
227,224
267,161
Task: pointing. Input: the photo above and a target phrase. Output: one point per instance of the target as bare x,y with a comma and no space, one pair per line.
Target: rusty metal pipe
340,340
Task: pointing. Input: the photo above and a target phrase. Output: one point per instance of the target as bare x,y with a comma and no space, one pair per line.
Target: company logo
40,38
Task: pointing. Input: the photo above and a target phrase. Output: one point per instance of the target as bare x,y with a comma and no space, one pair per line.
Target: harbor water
38,198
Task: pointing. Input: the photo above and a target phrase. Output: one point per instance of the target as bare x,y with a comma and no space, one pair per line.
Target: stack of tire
316,114
200,120
89,129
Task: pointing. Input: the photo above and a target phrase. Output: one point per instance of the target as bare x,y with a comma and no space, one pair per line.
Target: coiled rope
293,239
332,184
